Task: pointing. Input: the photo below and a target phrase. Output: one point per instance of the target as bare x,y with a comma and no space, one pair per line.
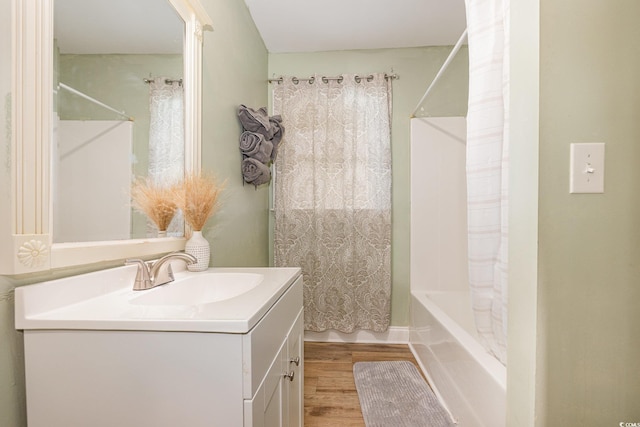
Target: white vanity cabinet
279,398
94,374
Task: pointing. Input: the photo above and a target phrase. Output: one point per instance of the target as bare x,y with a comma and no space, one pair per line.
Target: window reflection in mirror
103,52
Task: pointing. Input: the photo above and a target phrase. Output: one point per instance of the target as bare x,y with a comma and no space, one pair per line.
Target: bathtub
468,381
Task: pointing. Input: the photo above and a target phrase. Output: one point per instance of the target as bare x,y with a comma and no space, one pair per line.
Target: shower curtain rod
453,53
326,79
167,81
95,101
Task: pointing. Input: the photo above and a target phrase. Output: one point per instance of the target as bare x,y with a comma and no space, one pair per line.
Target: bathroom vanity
99,354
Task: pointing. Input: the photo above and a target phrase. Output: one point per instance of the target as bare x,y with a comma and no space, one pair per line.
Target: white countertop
104,300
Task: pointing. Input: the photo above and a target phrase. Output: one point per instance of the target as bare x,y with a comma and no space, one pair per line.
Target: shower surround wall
91,199
443,335
439,205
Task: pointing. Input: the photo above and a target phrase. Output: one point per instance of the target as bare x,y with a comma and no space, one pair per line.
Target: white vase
198,246
162,233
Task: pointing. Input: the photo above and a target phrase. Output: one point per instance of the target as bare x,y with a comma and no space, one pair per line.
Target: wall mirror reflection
118,114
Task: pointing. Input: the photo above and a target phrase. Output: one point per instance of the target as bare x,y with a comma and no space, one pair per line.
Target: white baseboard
393,335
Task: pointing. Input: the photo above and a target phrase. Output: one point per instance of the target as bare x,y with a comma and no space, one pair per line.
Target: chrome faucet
151,274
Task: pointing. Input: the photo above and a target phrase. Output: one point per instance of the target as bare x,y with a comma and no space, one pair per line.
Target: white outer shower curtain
487,169
332,198
166,140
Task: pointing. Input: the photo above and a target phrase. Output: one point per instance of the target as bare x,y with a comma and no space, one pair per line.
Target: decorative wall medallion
33,253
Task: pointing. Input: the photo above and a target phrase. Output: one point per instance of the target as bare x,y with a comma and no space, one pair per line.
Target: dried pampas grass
198,198
155,201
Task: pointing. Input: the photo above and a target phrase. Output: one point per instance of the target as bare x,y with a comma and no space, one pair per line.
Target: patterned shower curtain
166,140
487,169
332,198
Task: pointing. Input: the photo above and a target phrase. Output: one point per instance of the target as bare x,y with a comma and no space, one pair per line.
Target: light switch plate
587,168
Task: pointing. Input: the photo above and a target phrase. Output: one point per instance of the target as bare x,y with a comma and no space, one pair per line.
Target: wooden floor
330,397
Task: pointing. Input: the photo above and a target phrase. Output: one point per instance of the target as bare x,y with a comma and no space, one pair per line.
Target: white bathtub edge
496,369
393,335
431,383
453,361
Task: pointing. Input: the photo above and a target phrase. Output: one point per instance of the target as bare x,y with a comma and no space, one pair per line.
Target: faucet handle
143,279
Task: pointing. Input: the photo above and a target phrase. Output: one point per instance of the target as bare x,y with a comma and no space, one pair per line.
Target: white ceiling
314,25
117,26
152,26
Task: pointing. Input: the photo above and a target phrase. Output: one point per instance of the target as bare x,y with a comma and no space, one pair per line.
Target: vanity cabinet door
265,409
262,343
294,402
278,397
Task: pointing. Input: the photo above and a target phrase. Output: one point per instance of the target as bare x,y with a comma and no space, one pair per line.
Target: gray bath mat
393,394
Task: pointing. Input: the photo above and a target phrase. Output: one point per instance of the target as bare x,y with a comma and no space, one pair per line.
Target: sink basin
222,300
203,288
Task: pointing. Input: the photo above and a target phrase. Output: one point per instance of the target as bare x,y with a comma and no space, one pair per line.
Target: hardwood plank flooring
330,397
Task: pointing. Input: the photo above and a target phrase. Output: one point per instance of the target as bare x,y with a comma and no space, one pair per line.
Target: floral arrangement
157,202
198,197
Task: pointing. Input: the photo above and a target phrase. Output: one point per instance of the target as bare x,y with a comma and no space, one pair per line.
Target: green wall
12,409
416,67
589,244
234,72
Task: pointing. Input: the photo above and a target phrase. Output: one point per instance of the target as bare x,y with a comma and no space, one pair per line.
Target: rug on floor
393,394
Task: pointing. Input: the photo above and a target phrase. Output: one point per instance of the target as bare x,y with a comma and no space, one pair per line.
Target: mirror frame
29,247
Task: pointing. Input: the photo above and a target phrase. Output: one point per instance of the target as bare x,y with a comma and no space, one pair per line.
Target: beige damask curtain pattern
332,198
166,141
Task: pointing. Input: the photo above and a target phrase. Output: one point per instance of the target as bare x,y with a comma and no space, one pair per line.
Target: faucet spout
152,275
156,268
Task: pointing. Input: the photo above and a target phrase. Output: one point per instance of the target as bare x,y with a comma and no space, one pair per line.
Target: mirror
27,246
112,119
